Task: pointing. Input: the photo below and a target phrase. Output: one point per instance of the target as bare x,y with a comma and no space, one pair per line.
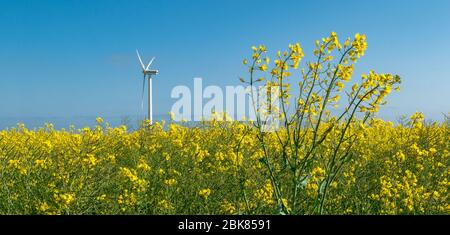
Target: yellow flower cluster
204,193
265,194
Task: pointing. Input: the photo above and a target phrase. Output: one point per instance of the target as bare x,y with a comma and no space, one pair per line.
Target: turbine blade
149,63
140,60
142,95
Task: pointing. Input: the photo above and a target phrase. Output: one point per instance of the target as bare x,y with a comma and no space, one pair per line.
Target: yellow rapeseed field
216,168
319,161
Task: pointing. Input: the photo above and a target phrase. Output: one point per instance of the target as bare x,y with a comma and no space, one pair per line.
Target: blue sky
77,58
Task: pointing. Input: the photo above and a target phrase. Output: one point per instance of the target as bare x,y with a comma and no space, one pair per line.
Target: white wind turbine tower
147,75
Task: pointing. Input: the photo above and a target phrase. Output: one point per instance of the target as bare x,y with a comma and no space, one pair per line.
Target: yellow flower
42,163
262,48
90,160
205,193
64,199
43,207
285,204
436,195
432,150
170,182
143,165
265,194
227,208
101,197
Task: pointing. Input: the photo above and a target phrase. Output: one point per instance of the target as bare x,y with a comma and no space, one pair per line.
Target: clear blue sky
77,58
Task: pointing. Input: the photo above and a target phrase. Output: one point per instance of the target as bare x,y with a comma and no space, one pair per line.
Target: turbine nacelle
150,72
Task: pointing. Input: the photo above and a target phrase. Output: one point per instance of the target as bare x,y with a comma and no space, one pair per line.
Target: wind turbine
147,75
